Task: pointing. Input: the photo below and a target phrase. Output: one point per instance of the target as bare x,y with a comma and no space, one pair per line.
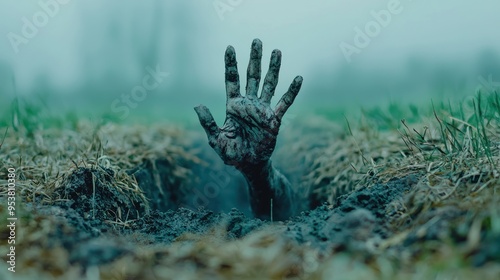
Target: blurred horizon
90,54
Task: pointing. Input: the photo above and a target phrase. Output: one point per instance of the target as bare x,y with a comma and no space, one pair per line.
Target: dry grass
454,155
44,159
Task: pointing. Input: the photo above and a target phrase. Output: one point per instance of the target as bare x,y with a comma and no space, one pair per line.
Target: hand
248,136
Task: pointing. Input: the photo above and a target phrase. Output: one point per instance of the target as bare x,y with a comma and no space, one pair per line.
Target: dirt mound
356,217
93,193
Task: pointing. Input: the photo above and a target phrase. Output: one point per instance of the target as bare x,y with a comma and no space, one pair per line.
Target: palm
251,126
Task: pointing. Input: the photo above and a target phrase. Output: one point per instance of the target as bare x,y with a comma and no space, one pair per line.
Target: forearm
268,187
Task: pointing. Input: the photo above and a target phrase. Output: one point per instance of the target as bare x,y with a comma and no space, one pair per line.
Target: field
403,192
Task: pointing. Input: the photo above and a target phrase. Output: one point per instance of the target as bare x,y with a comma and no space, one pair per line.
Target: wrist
270,192
252,170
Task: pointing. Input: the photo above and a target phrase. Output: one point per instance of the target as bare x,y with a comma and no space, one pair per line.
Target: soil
355,218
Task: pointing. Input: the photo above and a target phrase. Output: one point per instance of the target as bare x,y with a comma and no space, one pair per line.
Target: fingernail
256,43
256,51
276,57
230,56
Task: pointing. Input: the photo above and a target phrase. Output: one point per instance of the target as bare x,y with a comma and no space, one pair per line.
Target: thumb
207,122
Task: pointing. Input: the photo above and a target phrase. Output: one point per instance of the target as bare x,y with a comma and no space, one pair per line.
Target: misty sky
307,32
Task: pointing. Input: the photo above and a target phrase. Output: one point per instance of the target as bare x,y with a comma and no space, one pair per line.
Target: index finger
232,76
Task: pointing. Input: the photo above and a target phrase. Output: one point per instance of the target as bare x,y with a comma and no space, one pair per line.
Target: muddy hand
248,136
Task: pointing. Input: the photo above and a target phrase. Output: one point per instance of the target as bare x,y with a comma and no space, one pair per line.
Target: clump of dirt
356,217
377,198
93,193
62,243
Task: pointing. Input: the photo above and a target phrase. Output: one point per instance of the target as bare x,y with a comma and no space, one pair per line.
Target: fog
86,55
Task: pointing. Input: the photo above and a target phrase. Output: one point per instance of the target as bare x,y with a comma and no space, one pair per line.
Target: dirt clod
93,193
